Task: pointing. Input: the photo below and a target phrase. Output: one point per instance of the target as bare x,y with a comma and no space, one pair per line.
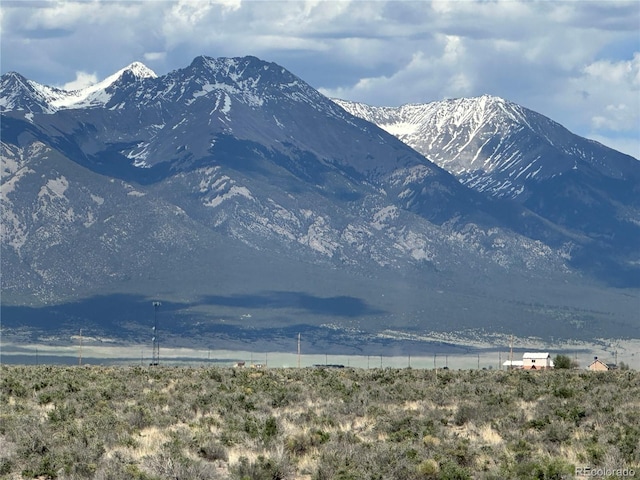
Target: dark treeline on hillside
315,423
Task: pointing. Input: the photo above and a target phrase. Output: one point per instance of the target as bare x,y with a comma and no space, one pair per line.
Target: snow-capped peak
96,94
140,70
485,141
21,94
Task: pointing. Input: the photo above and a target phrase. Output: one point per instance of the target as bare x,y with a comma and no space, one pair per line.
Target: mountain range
254,207
507,151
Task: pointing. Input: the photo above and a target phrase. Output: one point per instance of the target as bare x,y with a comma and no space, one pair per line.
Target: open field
126,422
434,351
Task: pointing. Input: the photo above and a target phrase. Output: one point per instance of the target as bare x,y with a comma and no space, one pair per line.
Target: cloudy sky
578,62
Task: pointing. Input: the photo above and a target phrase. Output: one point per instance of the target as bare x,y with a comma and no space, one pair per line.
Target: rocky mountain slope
507,151
251,205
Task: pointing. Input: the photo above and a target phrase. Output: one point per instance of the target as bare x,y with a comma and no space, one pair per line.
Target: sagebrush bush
156,423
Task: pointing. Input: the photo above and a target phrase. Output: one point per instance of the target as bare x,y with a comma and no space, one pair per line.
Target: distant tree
562,361
623,366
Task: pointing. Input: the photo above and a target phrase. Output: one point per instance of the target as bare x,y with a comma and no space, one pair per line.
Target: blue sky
577,62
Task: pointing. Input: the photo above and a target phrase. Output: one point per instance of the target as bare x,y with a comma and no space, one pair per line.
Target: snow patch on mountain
400,129
488,143
383,216
16,89
20,94
98,200
96,94
54,187
232,192
284,176
321,237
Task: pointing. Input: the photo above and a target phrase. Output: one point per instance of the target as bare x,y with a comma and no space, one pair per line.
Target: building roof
537,355
513,363
610,366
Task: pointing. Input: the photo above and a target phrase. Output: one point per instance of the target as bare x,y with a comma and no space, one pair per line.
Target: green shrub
262,469
301,443
401,424
464,414
6,466
428,470
12,387
453,471
562,362
270,429
546,469
538,423
212,450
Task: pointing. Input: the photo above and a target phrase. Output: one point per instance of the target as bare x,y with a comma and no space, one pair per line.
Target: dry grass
313,424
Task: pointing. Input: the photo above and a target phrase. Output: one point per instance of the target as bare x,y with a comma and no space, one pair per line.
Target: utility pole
511,352
80,353
435,366
298,350
155,359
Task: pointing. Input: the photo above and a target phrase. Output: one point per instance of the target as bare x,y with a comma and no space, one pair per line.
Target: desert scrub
156,423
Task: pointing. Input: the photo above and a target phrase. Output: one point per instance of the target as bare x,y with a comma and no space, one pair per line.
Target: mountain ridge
426,128
218,184
503,150
45,99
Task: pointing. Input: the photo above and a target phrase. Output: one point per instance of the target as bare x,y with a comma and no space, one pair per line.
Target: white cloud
550,57
425,77
605,98
624,72
82,80
70,15
628,145
154,56
616,117
576,62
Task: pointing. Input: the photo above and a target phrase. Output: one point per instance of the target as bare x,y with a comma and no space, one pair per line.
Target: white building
531,361
513,364
537,361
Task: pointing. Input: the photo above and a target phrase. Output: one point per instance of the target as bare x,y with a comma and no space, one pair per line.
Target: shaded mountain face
506,151
232,190
494,145
21,94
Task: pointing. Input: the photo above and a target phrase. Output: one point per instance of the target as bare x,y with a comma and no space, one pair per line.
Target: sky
577,62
